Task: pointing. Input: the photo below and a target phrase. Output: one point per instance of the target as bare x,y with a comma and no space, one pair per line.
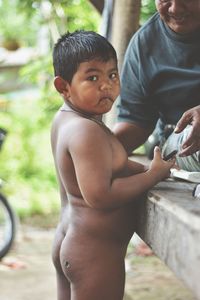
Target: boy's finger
157,151
157,148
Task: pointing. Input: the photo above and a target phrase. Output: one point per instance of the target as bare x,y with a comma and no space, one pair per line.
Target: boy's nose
105,85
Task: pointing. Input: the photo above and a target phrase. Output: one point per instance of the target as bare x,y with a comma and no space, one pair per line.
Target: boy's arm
91,152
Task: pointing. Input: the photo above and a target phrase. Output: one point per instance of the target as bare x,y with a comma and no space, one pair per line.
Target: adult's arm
192,117
131,135
137,113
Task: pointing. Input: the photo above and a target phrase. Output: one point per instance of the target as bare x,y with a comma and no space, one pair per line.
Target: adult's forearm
130,135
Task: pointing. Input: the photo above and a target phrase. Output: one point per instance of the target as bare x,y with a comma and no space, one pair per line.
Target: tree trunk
125,23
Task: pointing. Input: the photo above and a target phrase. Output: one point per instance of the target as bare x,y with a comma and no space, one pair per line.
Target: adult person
161,82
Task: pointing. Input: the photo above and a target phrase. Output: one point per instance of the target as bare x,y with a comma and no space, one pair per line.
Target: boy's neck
69,106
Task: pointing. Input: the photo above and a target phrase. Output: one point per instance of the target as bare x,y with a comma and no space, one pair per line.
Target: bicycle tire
7,226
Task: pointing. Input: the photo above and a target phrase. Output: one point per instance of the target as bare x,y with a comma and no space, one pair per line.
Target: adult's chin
181,27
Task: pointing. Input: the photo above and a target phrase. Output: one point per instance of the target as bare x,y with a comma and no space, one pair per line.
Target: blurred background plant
16,28
26,163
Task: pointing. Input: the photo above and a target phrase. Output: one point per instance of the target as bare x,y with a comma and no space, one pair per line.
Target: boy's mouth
106,97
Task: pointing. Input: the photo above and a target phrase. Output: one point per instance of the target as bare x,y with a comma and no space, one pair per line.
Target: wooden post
125,23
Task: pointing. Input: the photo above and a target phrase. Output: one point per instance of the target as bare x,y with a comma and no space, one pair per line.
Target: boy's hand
160,167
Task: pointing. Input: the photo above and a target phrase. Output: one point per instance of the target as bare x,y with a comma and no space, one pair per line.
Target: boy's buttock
80,253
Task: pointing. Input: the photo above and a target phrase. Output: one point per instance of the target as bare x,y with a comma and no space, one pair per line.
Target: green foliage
81,10
30,15
26,162
16,26
43,78
147,10
66,15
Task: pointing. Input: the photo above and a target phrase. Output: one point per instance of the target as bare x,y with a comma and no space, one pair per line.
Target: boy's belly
115,225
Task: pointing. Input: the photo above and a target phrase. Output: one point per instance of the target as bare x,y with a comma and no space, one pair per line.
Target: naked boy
98,184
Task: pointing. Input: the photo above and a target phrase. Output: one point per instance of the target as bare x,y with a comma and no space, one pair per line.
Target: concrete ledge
169,222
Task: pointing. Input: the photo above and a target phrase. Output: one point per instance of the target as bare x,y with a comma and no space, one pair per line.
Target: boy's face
95,86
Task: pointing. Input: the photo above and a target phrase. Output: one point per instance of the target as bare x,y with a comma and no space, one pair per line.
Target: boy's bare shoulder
77,129
83,129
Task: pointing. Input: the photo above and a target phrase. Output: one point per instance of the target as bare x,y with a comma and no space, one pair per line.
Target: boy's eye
113,75
92,78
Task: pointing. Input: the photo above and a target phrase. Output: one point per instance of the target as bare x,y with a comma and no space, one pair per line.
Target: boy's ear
61,85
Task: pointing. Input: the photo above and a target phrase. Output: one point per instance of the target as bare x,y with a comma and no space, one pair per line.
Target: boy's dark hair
77,47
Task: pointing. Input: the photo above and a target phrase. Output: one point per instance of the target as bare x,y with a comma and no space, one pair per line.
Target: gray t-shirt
161,75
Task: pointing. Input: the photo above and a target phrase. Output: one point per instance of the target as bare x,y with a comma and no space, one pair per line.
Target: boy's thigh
103,279
63,287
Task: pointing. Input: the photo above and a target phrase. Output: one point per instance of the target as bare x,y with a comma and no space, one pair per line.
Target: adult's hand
192,117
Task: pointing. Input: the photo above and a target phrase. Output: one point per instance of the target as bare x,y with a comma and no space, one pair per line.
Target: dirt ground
27,273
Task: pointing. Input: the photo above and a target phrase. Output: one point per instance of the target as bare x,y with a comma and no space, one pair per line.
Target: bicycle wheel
7,226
